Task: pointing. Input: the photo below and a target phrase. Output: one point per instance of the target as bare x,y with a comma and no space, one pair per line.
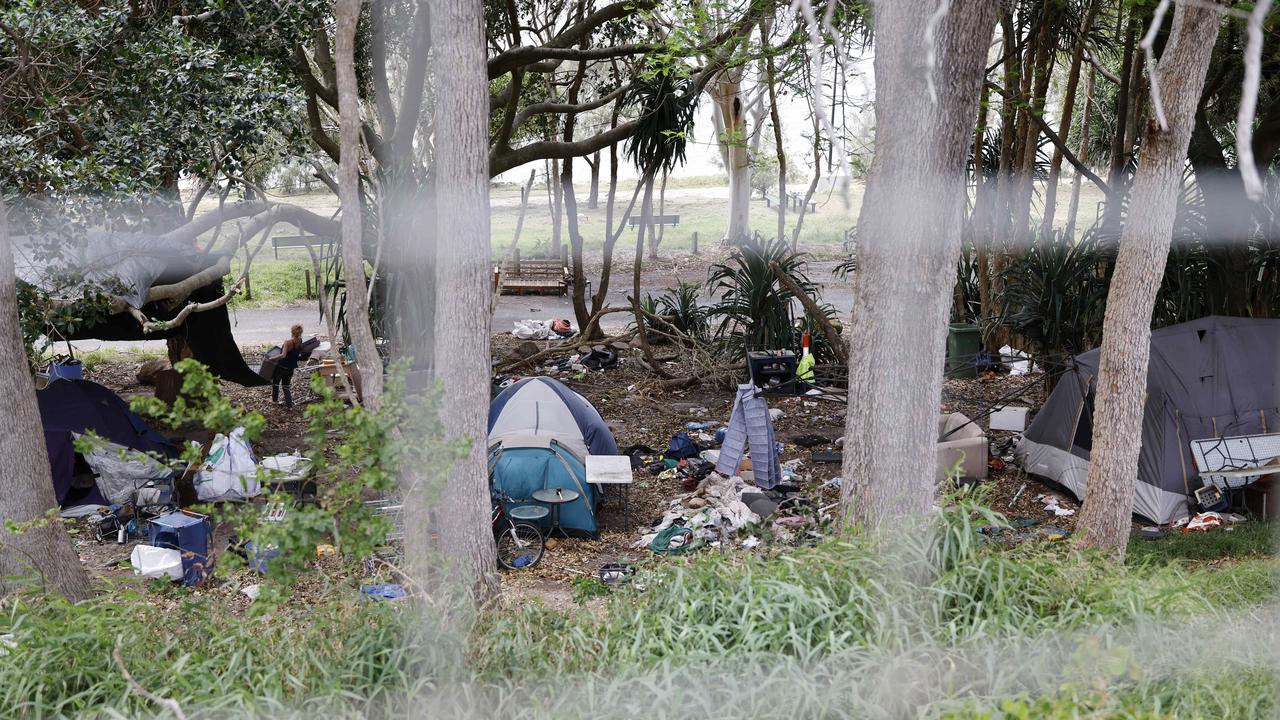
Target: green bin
964,341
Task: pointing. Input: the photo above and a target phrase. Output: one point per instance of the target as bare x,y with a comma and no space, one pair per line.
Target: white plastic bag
230,471
153,562
532,329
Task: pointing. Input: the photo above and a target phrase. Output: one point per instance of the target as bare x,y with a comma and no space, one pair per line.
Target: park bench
633,221
536,276
797,201
301,241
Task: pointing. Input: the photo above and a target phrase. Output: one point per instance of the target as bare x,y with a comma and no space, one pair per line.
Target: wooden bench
797,201
301,241
633,221
531,277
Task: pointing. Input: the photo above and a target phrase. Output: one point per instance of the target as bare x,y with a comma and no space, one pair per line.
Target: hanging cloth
750,426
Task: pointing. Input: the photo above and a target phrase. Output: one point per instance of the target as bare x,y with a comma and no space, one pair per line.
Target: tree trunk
1074,208
727,91
347,14
908,246
770,78
1119,143
593,199
1043,71
1144,248
646,215
462,218
557,206
1064,124
43,549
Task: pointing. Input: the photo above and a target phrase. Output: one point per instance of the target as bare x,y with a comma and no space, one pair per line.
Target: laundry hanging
750,426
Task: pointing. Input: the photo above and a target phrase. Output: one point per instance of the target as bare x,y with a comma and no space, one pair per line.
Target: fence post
695,242
308,276
248,286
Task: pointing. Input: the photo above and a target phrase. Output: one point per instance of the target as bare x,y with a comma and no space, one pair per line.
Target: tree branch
508,60
1053,137
501,161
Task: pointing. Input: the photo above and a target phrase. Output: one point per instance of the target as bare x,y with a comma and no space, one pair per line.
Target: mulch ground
639,410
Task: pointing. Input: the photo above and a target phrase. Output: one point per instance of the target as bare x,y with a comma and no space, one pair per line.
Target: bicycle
520,544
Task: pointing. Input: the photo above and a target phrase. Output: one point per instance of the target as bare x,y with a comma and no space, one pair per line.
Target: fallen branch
137,688
815,312
149,326
572,344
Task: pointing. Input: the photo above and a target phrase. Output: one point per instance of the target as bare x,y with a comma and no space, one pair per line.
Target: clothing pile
712,511
543,329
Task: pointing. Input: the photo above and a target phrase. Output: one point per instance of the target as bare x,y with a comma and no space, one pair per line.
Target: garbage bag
230,471
153,562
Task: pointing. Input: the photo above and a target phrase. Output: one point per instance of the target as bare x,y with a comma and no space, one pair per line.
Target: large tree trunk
462,218
1144,248
347,13
43,550
727,92
557,206
908,245
1064,124
1043,71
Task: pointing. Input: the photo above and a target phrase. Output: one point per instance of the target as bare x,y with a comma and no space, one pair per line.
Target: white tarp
153,562
230,471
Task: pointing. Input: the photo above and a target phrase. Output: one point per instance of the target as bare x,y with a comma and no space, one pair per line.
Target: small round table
555,497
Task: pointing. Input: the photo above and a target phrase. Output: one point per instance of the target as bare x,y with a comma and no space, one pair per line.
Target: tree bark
770,78
44,549
727,93
908,245
1144,248
1074,208
557,205
1064,124
593,199
1119,142
1043,71
462,219
347,14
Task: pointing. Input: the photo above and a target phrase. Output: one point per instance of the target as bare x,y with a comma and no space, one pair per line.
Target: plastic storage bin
189,534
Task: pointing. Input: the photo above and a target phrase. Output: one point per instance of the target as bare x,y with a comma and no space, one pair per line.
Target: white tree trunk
43,551
1144,247
347,12
908,245
462,285
732,114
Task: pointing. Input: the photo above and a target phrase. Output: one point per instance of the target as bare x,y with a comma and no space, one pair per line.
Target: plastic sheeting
230,472
122,472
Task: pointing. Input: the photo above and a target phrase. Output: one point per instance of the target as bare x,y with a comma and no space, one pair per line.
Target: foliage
1055,295
586,588
754,308
364,462
666,100
43,320
681,310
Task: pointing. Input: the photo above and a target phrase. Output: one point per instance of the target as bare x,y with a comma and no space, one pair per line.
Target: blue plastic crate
189,534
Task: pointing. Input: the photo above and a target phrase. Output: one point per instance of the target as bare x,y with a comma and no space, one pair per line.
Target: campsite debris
382,591
1052,505
616,573
229,471
7,643
751,425
251,591
827,457
543,329
156,562
1203,522
325,551
1018,494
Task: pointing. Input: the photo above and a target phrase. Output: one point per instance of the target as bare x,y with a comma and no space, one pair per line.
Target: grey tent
1212,377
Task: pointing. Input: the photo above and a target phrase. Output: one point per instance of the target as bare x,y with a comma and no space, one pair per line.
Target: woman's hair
296,331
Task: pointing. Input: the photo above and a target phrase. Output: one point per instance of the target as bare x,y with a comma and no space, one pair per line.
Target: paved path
270,326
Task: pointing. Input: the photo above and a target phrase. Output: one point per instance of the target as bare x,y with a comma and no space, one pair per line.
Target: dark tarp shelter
131,264
1212,377
71,407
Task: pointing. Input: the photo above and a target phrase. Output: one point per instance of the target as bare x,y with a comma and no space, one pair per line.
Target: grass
274,283
839,629
1252,539
115,356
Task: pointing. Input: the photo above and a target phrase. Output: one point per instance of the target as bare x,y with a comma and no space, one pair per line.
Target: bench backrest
533,268
633,221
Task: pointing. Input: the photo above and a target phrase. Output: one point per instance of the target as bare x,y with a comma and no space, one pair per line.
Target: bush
754,308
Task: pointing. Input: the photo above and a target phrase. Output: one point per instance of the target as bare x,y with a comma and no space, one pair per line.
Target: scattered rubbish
776,414
674,540
1180,522
156,562
187,533
682,446
1233,518
751,542
257,558
1151,533
616,573
702,425
251,591
1021,364
383,591
827,457
962,444
1203,522
325,551
8,643
543,329
1052,505
834,482
811,441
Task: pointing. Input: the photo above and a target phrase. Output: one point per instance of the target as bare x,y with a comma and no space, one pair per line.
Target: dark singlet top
290,359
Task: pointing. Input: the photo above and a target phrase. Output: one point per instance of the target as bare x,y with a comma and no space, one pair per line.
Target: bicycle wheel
520,546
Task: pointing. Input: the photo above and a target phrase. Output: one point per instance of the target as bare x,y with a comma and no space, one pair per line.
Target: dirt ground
639,410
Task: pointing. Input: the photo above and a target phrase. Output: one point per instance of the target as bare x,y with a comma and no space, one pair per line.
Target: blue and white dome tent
540,433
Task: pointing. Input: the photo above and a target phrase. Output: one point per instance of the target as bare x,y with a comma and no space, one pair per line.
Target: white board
609,469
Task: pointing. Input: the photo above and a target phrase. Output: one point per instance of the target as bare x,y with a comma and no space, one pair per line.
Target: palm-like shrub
1055,295
681,311
754,309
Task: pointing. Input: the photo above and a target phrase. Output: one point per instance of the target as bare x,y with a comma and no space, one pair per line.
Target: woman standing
288,362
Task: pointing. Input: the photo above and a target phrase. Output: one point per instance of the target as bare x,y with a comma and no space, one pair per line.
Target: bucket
65,369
